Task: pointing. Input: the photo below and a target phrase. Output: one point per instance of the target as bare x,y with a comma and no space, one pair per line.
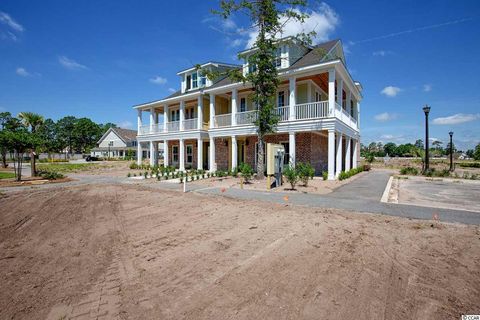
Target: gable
111,137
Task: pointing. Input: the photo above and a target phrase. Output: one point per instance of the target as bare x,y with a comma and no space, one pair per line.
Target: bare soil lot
130,252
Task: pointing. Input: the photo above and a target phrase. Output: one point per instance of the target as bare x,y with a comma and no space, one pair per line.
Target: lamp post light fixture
426,110
451,150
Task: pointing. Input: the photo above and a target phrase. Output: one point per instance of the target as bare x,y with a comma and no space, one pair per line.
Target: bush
325,175
51,175
369,157
246,171
469,164
129,175
221,173
181,179
347,174
409,171
367,167
291,175
305,172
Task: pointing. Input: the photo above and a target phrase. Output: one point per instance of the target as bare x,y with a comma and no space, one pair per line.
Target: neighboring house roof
126,135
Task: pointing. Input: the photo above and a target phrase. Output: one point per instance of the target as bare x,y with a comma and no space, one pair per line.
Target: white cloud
172,90
22,72
125,124
392,138
323,21
229,24
385,116
427,87
391,91
381,53
456,119
236,42
10,22
158,80
70,64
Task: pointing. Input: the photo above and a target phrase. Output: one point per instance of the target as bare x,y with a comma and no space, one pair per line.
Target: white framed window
188,81
278,57
189,152
318,96
203,79
175,153
286,145
252,67
194,80
281,99
243,104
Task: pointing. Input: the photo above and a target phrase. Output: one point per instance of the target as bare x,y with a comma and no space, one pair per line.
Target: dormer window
189,80
278,57
203,80
194,81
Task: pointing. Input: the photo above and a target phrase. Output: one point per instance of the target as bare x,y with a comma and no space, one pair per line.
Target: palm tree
34,121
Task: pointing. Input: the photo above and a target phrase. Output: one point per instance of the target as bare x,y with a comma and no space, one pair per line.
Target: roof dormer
194,78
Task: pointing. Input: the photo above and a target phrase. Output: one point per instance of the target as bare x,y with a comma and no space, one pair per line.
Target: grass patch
66,167
7,175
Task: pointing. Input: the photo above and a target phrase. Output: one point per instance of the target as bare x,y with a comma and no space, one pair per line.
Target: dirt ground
130,252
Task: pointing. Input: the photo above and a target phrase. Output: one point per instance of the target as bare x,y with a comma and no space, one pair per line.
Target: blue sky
98,58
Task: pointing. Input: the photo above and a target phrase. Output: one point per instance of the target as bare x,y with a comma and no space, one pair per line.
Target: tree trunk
260,158
19,166
32,164
4,159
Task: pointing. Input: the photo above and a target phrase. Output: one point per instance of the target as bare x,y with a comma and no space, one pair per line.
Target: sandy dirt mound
128,252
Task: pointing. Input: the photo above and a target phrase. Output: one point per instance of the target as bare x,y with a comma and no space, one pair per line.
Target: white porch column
165,153
291,148
200,154
152,119
331,92
152,153
200,112
347,153
338,167
182,115
292,97
355,153
331,154
234,107
234,152
339,91
212,112
211,160
165,118
139,153
139,121
181,165
358,114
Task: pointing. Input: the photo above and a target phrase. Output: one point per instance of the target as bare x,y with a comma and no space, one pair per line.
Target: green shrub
469,164
181,179
129,175
51,175
409,171
325,175
246,171
291,175
159,177
234,172
305,172
369,157
347,174
221,173
145,174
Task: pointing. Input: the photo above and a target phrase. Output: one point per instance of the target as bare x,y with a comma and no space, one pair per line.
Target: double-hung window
194,81
281,99
243,105
278,57
188,80
189,153
203,79
175,153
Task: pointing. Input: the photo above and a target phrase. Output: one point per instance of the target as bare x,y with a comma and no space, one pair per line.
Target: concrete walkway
361,195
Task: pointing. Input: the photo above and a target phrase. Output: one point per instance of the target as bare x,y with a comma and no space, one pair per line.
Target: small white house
119,143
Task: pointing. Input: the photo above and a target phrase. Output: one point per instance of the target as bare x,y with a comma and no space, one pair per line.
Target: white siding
117,142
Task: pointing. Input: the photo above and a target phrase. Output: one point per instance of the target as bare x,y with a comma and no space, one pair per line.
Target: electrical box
275,155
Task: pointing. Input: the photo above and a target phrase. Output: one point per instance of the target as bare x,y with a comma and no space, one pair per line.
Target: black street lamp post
426,109
451,150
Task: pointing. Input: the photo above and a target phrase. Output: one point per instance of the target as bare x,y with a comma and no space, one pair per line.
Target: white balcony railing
145,129
312,110
173,126
223,120
246,117
190,124
282,113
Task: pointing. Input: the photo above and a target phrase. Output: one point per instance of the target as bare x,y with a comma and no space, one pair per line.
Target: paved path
361,195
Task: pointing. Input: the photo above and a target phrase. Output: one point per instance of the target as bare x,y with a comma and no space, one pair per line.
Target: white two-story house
209,124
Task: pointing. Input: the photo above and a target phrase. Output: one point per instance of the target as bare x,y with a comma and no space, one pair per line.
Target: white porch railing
246,117
173,126
282,113
190,124
145,129
312,110
223,120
